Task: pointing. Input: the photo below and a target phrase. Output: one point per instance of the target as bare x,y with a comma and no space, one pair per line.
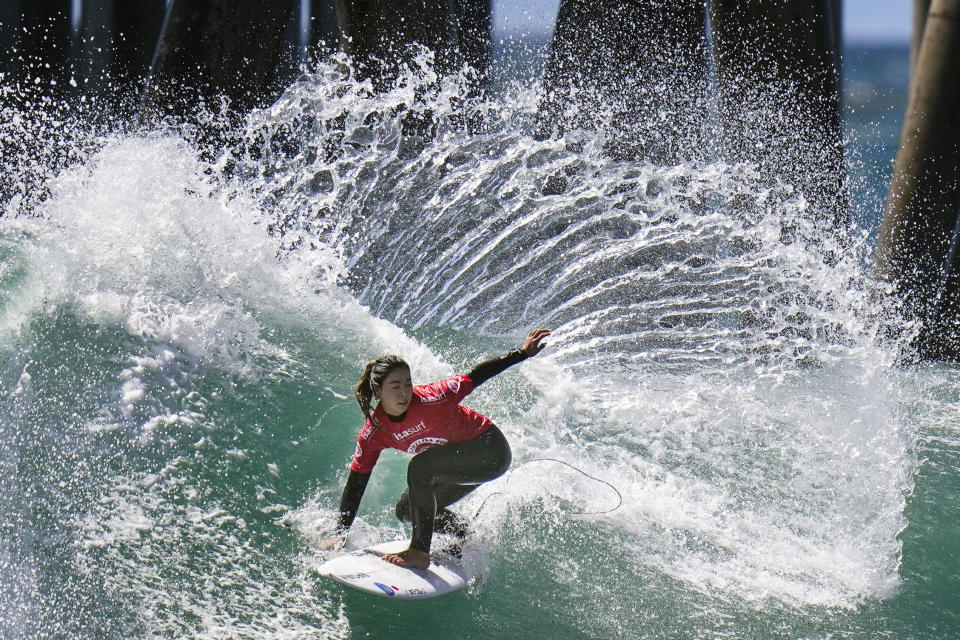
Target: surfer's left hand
534,342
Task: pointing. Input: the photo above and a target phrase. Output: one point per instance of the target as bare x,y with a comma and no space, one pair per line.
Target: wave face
181,331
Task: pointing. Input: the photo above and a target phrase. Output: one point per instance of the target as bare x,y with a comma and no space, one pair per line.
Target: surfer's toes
410,559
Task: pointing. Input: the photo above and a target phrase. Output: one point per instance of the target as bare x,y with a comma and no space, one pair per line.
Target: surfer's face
396,391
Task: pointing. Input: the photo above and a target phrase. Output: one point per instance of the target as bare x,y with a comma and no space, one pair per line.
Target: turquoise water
179,333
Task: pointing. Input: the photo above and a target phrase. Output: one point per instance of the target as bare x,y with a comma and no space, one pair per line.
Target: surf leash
575,468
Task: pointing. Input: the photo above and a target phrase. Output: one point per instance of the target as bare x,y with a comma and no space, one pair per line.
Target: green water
189,533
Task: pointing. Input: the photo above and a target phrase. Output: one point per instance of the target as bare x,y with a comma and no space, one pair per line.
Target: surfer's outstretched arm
349,504
489,368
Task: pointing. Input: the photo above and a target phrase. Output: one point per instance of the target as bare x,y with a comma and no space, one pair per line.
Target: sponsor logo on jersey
454,385
438,393
366,433
358,453
406,433
425,443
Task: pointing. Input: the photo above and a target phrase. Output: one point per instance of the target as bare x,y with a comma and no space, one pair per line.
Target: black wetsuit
439,476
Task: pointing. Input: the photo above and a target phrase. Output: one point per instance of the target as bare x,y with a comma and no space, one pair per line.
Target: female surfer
456,449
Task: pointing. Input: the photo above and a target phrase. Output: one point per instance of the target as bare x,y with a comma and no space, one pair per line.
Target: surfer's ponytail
373,376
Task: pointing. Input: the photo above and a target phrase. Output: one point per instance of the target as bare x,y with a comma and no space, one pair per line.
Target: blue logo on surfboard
387,590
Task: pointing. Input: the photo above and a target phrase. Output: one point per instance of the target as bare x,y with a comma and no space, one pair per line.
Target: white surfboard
365,570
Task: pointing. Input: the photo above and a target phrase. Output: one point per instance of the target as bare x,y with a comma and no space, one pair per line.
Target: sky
877,19
863,20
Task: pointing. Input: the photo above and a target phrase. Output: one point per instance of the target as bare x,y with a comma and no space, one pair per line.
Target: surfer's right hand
334,543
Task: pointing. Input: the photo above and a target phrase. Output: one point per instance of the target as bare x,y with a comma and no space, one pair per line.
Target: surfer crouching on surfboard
456,449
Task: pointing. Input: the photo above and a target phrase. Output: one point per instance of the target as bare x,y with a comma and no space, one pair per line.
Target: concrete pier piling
381,35
637,71
39,36
136,30
9,21
99,48
778,85
917,243
920,10
378,34
475,34
322,29
213,48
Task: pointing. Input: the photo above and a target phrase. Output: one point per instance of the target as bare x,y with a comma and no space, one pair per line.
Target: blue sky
862,19
877,19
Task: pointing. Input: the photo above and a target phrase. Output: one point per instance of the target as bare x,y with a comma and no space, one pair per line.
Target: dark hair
373,375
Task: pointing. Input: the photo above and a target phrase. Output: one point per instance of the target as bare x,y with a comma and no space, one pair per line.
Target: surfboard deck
366,571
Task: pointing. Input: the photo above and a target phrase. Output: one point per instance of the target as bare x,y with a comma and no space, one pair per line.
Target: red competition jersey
435,417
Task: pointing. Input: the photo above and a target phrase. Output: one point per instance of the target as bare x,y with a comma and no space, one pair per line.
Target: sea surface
181,326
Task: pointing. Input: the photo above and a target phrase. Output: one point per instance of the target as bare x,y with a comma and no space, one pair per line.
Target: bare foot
333,543
411,559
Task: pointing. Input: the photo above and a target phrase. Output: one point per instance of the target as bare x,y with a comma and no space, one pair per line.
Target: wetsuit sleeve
489,368
350,500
